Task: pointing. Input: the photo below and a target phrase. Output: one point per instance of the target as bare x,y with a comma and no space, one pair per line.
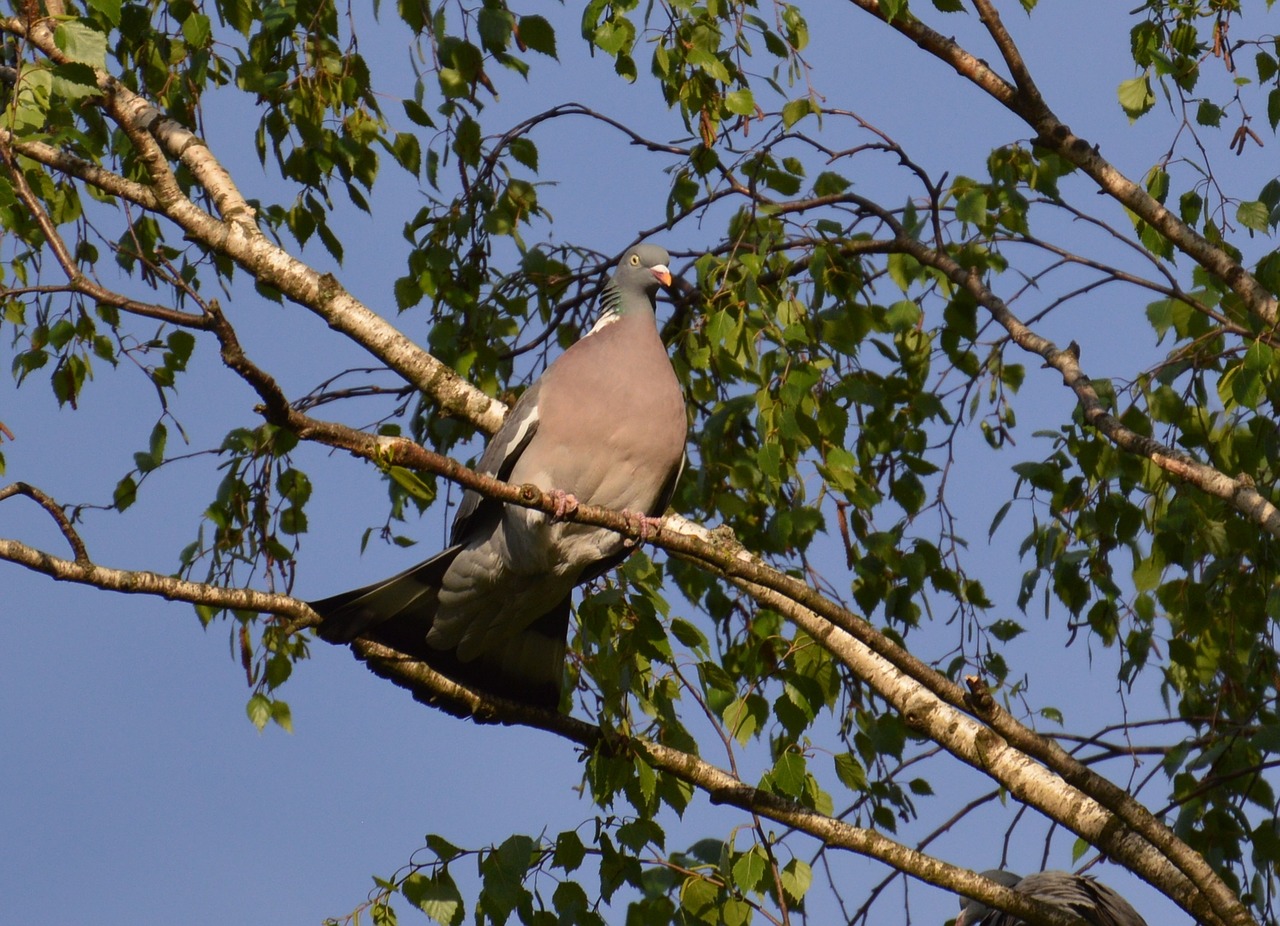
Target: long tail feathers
398,612
411,594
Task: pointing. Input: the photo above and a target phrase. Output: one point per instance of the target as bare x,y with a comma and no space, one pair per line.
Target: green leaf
293,521
902,315
80,42
740,103
408,153
1147,573
452,83
125,494
796,110
30,99
1253,214
259,710
436,895
279,668
107,9
74,82
443,848
1005,630
688,635
569,851
890,9
1136,97
1208,114
1267,739
1268,272
197,30
417,115
789,773
829,183
159,437
1158,184
850,772
282,716
741,719
749,869
1266,65
537,34
180,344
699,899
412,483
614,36
503,871
495,28
524,151
920,786
796,878
972,207
1190,205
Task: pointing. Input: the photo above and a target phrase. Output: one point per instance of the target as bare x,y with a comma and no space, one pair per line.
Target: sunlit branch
1240,493
101,179
1056,136
236,236
139,582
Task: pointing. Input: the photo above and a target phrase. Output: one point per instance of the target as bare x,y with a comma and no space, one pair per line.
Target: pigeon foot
647,527
566,504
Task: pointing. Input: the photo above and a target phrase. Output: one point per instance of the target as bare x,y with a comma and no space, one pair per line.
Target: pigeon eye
635,260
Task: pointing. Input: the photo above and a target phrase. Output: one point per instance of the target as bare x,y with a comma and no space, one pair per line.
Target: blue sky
136,789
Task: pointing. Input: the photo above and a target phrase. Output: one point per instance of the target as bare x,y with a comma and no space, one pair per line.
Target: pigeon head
642,268
634,285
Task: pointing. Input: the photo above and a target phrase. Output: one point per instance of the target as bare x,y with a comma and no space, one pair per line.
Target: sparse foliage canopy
951,415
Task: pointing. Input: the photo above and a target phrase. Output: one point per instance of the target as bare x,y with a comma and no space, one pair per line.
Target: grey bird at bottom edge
1089,899
606,424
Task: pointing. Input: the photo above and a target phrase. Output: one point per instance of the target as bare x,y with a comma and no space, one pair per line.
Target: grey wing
1112,909
1093,902
499,458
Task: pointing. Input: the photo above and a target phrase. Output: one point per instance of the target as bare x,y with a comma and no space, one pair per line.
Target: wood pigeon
604,425
1081,894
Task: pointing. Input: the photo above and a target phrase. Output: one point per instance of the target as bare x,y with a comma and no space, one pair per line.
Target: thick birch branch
236,235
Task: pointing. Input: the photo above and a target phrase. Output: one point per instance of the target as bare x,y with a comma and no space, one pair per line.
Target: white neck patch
605,320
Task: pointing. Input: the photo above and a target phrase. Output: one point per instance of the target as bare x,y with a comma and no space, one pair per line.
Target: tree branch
77,281
55,511
934,704
1056,136
237,237
723,788
150,583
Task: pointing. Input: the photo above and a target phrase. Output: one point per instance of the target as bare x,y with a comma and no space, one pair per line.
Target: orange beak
662,273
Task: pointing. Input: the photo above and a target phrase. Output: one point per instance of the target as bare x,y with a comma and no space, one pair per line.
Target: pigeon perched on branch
605,425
